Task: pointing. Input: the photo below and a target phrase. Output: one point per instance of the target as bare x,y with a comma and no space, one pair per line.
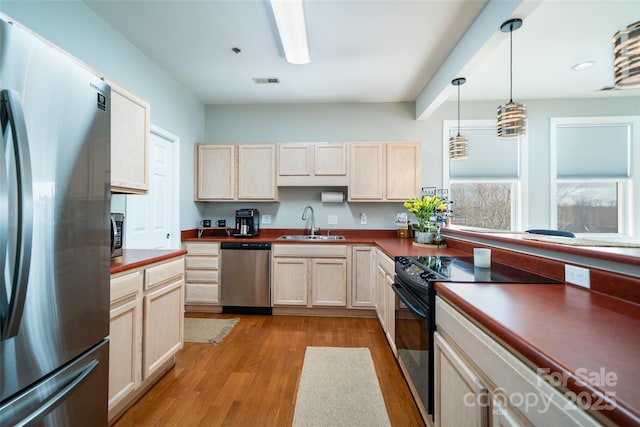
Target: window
592,174
484,187
588,207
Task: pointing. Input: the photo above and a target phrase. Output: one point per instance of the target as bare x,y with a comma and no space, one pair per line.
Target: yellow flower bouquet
423,209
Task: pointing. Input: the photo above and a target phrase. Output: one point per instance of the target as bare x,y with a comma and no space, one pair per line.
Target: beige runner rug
207,330
339,387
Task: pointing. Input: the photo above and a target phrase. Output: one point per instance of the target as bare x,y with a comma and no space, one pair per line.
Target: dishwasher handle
252,246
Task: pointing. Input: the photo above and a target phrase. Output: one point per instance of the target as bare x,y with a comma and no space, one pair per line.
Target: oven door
412,322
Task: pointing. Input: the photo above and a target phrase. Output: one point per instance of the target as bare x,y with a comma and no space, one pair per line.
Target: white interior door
151,219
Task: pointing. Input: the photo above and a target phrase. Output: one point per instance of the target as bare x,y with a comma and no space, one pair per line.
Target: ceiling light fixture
458,145
289,15
511,116
626,57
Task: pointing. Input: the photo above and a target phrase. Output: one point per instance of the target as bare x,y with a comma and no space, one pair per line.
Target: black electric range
415,311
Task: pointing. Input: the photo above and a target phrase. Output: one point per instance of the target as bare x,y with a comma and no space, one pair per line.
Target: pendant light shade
511,120
458,145
626,57
511,116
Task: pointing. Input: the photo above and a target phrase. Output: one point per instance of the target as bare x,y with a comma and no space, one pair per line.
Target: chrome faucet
313,220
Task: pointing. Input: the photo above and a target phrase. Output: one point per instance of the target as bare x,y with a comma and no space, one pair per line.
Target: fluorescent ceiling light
289,16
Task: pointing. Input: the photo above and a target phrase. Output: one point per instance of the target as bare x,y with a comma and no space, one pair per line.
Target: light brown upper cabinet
226,172
257,172
129,142
215,172
312,164
384,171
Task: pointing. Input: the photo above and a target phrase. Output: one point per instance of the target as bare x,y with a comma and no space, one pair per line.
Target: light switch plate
266,219
332,219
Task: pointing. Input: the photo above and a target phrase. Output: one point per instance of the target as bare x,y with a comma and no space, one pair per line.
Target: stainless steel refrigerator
54,235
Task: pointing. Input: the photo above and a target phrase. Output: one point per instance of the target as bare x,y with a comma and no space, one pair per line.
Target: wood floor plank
251,377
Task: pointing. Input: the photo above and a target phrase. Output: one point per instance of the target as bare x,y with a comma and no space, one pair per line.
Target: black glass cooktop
461,269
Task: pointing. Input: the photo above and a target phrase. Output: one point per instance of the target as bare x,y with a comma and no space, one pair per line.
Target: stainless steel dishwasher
245,285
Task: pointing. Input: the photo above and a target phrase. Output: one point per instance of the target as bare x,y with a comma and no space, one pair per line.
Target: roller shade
489,157
593,151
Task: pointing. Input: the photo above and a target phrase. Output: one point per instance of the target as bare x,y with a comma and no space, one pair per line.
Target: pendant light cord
511,64
458,110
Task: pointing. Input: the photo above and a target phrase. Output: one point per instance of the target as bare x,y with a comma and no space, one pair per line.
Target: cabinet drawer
201,294
312,250
163,272
202,262
207,276
125,286
202,248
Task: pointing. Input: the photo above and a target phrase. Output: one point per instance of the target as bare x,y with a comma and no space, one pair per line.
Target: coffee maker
247,223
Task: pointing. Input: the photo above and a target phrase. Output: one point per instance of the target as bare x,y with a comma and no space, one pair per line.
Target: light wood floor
251,378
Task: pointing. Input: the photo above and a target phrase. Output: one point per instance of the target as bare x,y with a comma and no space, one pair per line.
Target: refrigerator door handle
11,307
64,386
113,235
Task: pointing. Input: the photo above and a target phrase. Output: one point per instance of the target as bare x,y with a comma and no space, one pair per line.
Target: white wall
74,27
388,122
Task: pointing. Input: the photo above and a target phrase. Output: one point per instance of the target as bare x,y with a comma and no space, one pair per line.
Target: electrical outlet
266,219
332,219
363,218
577,275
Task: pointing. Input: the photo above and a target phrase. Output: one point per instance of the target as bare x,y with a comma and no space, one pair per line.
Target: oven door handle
409,300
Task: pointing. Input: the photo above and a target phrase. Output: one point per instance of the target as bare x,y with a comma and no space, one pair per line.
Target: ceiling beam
480,39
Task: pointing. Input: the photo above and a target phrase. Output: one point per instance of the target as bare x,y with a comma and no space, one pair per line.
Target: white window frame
518,185
628,190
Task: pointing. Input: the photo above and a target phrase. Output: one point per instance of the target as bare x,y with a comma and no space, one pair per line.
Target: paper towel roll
332,197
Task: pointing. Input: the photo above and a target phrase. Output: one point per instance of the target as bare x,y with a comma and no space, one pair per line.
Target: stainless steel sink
310,237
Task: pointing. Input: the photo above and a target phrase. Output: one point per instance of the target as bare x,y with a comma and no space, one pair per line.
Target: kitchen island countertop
567,330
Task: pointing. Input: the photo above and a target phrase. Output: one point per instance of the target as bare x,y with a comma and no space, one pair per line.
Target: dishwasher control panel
246,245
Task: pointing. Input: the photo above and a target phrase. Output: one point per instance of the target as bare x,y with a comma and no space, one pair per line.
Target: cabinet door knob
168,235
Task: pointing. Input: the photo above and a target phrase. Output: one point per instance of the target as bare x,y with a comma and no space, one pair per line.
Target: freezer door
54,209
75,395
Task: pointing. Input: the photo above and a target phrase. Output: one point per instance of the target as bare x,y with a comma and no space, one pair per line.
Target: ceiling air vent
266,80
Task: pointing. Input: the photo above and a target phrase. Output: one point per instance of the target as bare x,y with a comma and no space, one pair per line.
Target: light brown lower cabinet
363,273
125,337
309,275
479,382
202,272
386,298
146,329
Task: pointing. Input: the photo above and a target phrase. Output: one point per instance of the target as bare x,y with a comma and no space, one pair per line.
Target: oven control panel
410,270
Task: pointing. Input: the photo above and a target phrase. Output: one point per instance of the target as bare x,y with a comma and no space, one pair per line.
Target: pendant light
626,54
458,145
511,116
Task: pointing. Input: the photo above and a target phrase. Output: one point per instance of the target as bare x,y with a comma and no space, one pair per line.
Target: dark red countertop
134,258
386,240
565,329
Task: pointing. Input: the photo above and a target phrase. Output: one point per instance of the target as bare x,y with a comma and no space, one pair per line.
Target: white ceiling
378,50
